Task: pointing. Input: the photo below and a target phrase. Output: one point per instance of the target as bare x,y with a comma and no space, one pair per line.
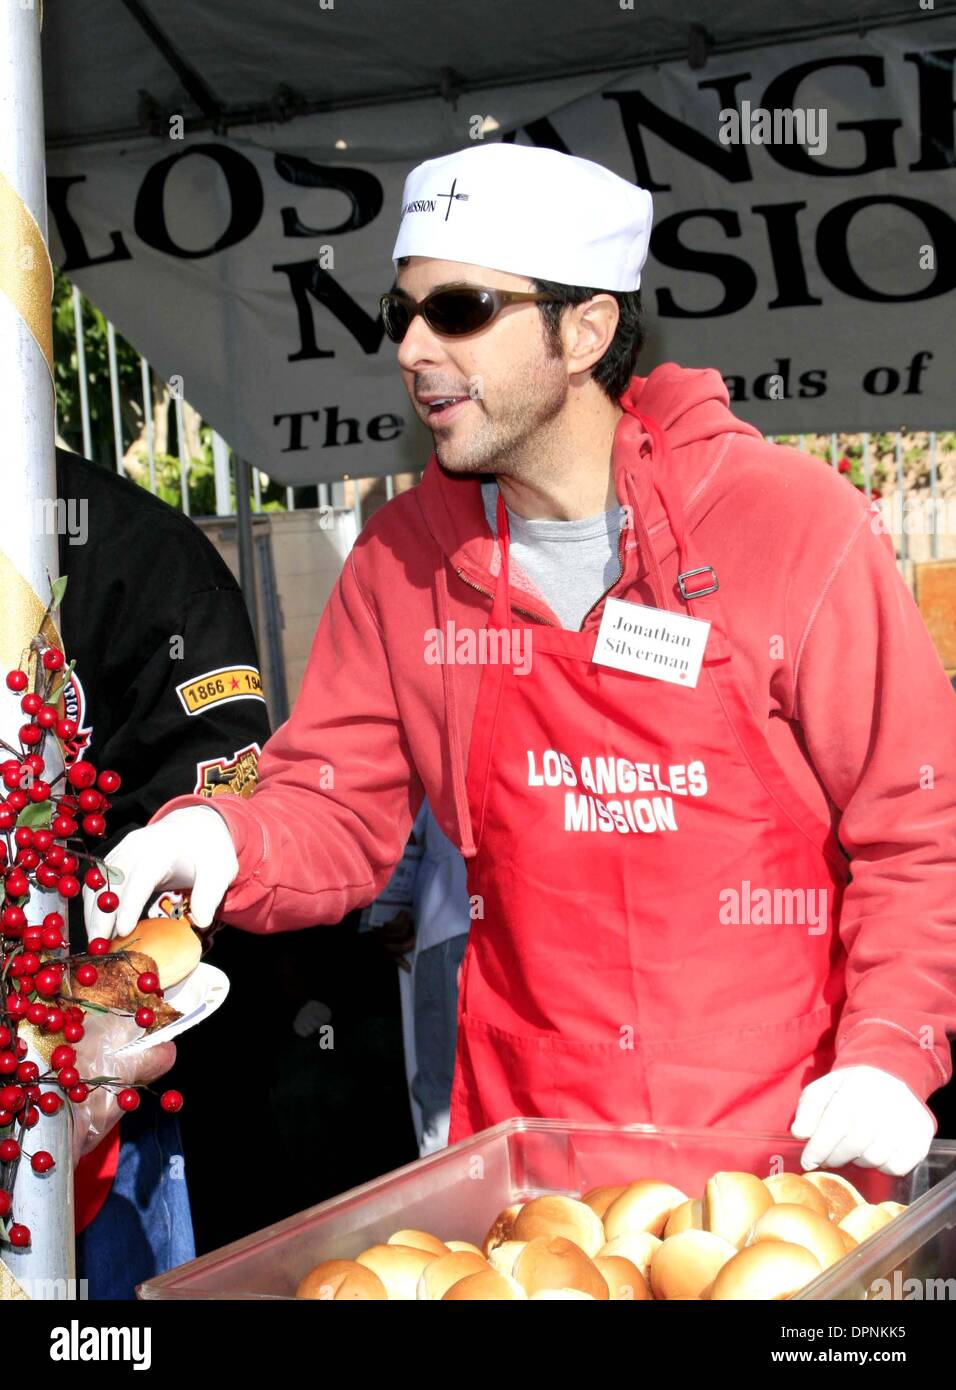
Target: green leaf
109,871
59,589
36,813
95,1008
57,690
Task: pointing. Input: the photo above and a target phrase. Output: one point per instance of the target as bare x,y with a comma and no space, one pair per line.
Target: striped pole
28,550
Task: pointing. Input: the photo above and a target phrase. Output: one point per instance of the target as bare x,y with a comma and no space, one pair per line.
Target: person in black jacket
166,691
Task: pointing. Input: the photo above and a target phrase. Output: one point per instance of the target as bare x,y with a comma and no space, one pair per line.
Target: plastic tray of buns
458,1192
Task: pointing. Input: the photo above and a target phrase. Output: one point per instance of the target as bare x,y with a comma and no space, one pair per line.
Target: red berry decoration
17,883
81,774
12,918
108,901
6,1202
9,1150
109,781
47,982
17,680
89,800
55,1019
19,1236
68,886
73,1032
41,1162
36,1014
128,1099
148,982
78,1093
145,1017
30,734
27,1072
63,827
40,791
66,728
87,974
50,939
99,945
94,824
62,1057
68,1077
53,659
171,1101
31,702
8,1062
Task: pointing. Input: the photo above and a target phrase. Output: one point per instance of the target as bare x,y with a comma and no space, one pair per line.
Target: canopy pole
247,566
28,550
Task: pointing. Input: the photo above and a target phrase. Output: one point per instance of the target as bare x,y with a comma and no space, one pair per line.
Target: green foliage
201,481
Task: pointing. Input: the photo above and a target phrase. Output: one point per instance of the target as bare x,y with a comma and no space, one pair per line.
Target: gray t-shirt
571,563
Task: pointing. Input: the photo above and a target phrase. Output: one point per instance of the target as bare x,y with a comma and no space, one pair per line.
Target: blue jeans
436,1028
145,1225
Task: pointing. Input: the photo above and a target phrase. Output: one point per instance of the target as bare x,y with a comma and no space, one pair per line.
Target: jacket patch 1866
220,686
237,775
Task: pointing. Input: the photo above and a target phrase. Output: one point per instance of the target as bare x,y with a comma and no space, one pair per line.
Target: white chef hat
530,211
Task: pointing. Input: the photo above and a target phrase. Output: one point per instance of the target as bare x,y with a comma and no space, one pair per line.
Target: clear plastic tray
455,1194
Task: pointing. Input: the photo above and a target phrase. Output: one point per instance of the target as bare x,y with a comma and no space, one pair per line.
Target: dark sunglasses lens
395,317
459,311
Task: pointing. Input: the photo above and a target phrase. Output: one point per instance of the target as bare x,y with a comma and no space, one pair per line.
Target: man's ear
589,330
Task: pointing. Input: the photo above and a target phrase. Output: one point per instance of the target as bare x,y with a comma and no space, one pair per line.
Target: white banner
804,244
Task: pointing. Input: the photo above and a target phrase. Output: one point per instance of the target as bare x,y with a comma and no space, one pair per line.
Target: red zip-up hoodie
839,668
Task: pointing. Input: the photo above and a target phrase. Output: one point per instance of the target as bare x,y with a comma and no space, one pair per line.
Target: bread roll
342,1281
503,1257
643,1206
639,1248
501,1229
398,1266
861,1222
838,1192
560,1216
732,1203
800,1226
419,1240
687,1264
624,1280
439,1276
894,1208
600,1198
562,1294
689,1216
848,1241
553,1262
486,1285
170,941
774,1269
464,1245
794,1189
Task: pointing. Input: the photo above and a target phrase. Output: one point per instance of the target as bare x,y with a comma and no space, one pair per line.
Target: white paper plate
196,997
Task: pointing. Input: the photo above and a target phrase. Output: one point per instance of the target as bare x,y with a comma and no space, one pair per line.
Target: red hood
692,406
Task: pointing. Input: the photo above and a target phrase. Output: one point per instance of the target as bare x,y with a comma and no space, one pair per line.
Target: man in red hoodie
655,676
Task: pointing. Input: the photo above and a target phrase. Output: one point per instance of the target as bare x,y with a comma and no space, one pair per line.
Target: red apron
613,975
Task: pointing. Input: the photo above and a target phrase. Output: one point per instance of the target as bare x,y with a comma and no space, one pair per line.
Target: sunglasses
453,311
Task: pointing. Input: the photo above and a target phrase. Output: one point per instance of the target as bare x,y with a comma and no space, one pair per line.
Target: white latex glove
865,1116
311,1017
189,849
96,1056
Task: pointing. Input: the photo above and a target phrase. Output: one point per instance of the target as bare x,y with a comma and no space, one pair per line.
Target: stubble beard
512,439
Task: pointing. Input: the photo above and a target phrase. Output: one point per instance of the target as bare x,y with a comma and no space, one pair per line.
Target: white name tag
651,642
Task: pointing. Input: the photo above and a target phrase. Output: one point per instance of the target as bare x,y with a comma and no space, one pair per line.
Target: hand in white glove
96,1055
190,849
311,1017
865,1116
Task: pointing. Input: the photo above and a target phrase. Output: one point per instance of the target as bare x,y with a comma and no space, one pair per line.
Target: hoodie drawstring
455,752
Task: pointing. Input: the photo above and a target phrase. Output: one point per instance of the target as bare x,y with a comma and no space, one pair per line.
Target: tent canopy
113,66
